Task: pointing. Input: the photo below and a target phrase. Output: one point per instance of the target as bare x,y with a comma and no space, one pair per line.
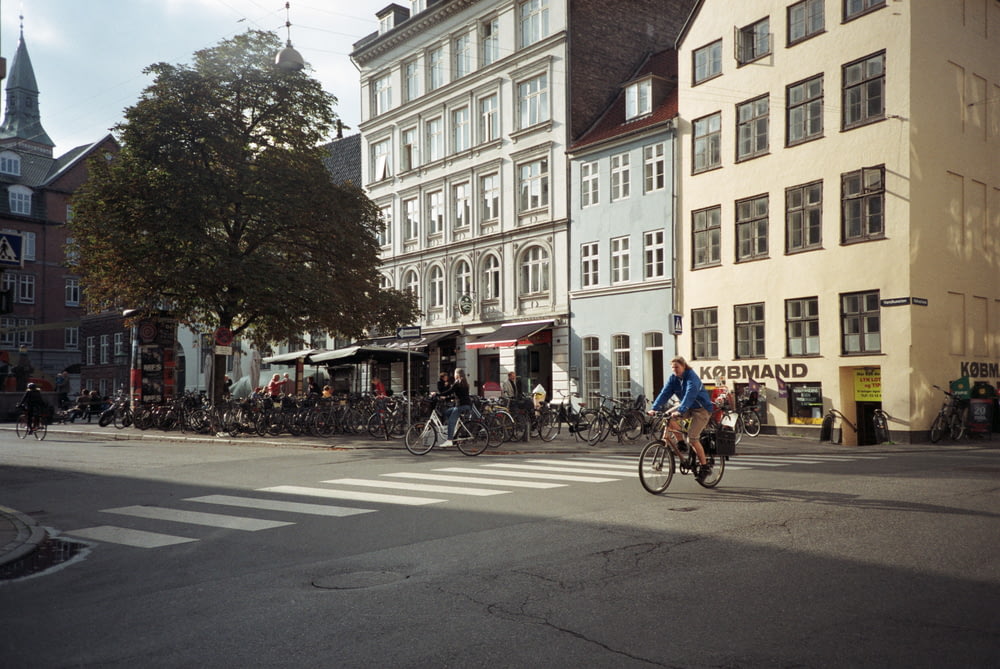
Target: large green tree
219,207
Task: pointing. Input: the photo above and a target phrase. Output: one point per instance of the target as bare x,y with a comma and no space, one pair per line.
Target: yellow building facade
839,204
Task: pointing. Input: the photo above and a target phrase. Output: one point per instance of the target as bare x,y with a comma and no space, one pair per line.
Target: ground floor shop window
805,403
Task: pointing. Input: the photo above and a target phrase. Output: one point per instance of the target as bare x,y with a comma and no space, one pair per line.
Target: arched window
535,271
20,199
384,282
411,282
491,278
437,286
10,163
463,279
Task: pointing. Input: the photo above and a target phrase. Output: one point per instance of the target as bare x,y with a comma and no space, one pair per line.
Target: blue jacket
689,388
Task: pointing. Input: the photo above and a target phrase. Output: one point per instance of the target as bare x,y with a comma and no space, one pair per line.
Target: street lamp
288,58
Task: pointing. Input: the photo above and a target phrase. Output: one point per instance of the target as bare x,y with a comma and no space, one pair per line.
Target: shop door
866,426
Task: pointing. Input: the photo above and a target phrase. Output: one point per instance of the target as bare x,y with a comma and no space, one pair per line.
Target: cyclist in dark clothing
32,403
460,389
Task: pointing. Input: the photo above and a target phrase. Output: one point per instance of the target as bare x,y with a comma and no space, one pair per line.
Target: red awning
510,334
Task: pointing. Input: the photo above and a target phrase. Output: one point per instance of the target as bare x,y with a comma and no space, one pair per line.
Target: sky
88,55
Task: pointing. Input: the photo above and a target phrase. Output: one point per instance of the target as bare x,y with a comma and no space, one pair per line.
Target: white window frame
19,198
381,159
620,260
533,101
435,212
408,157
105,349
461,202
490,36
461,130
654,167
435,286
621,177
654,252
10,163
461,55
535,268
434,138
492,278
489,118
533,17
411,219
411,282
435,69
489,197
71,339
638,99
590,264
26,289
463,278
590,185
621,356
381,94
533,184
385,233
72,292
411,80
91,350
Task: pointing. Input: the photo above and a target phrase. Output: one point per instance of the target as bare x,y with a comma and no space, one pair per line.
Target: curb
27,535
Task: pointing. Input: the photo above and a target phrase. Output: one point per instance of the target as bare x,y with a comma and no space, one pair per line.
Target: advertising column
154,371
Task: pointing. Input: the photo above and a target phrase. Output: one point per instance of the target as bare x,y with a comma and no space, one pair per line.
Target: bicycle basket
724,442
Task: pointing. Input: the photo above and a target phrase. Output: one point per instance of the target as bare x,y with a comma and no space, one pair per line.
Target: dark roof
612,123
343,159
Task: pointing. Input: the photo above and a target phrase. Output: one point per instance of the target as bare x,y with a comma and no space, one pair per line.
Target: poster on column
157,363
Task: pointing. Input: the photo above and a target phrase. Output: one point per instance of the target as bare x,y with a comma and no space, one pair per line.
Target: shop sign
867,385
981,370
796,370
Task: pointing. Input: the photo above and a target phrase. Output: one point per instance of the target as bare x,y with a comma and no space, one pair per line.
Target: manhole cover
357,579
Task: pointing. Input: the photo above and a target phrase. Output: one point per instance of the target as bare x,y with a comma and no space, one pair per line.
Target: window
384,235
460,130
384,282
491,278
706,227
463,279
855,8
534,186
623,367
71,339
751,228
591,371
381,95
654,167
589,264
26,333
805,19
408,159
72,292
802,326
489,191
411,80
620,260
26,289
411,219
864,91
705,333
28,245
91,350
435,212
19,198
620,177
638,99
589,184
7,336
863,204
435,69
535,271
434,131
534,16
533,95
749,322
437,287
752,121
654,254
417,6
753,41
461,205
491,41
707,138
707,62
804,217
805,111
489,118
105,349
860,323
411,283
461,53
385,23
381,158
10,163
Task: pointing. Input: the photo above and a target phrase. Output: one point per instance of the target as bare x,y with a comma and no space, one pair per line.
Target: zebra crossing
345,497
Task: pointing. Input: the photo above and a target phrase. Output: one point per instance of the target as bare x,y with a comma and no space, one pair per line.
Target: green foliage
219,207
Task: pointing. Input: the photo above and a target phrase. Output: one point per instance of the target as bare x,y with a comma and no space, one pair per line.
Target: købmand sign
796,370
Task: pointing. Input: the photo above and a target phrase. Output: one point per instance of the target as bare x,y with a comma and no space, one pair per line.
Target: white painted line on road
279,505
769,461
197,518
525,475
610,467
352,495
110,534
476,479
419,487
568,470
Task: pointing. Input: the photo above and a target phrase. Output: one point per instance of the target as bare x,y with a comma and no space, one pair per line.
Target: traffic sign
223,336
408,332
11,245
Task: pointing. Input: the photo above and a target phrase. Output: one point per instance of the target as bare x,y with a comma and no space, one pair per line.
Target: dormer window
10,163
638,99
386,23
417,6
19,200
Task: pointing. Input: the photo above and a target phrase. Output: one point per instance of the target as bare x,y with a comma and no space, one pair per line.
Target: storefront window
805,403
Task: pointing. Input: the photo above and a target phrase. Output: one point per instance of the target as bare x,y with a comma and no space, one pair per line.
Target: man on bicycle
695,404
32,403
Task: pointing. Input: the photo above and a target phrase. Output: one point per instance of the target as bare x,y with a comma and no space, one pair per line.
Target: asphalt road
197,554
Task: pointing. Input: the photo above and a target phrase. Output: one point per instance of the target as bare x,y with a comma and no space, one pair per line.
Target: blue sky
88,55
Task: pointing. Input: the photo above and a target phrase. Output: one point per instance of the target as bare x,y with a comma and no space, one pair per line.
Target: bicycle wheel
937,428
751,422
739,428
396,423
596,425
420,438
41,429
123,417
22,427
718,463
472,437
630,426
548,425
956,426
656,467
376,428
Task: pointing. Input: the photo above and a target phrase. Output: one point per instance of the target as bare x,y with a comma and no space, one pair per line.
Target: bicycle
388,420
747,419
565,412
661,458
950,418
471,435
38,428
626,423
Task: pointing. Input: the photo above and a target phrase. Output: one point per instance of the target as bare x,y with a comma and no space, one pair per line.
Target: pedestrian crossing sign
10,249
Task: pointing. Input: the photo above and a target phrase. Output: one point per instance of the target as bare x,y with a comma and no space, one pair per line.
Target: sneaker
448,443
704,472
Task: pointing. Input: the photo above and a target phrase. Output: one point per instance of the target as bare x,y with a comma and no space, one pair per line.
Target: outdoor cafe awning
356,354
510,334
290,357
428,339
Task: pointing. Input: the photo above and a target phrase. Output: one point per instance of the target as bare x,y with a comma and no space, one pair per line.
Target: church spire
22,122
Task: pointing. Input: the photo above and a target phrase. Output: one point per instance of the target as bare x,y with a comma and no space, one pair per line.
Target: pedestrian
510,389
312,388
62,389
378,388
444,382
275,387
327,392
694,404
288,386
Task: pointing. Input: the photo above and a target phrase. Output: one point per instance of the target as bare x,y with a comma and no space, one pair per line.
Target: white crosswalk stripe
527,475
198,518
352,495
569,469
507,483
128,537
418,487
279,505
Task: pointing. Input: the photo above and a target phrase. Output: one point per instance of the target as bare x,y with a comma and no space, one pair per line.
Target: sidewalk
21,535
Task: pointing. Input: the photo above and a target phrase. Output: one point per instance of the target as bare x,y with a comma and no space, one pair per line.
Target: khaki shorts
699,419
